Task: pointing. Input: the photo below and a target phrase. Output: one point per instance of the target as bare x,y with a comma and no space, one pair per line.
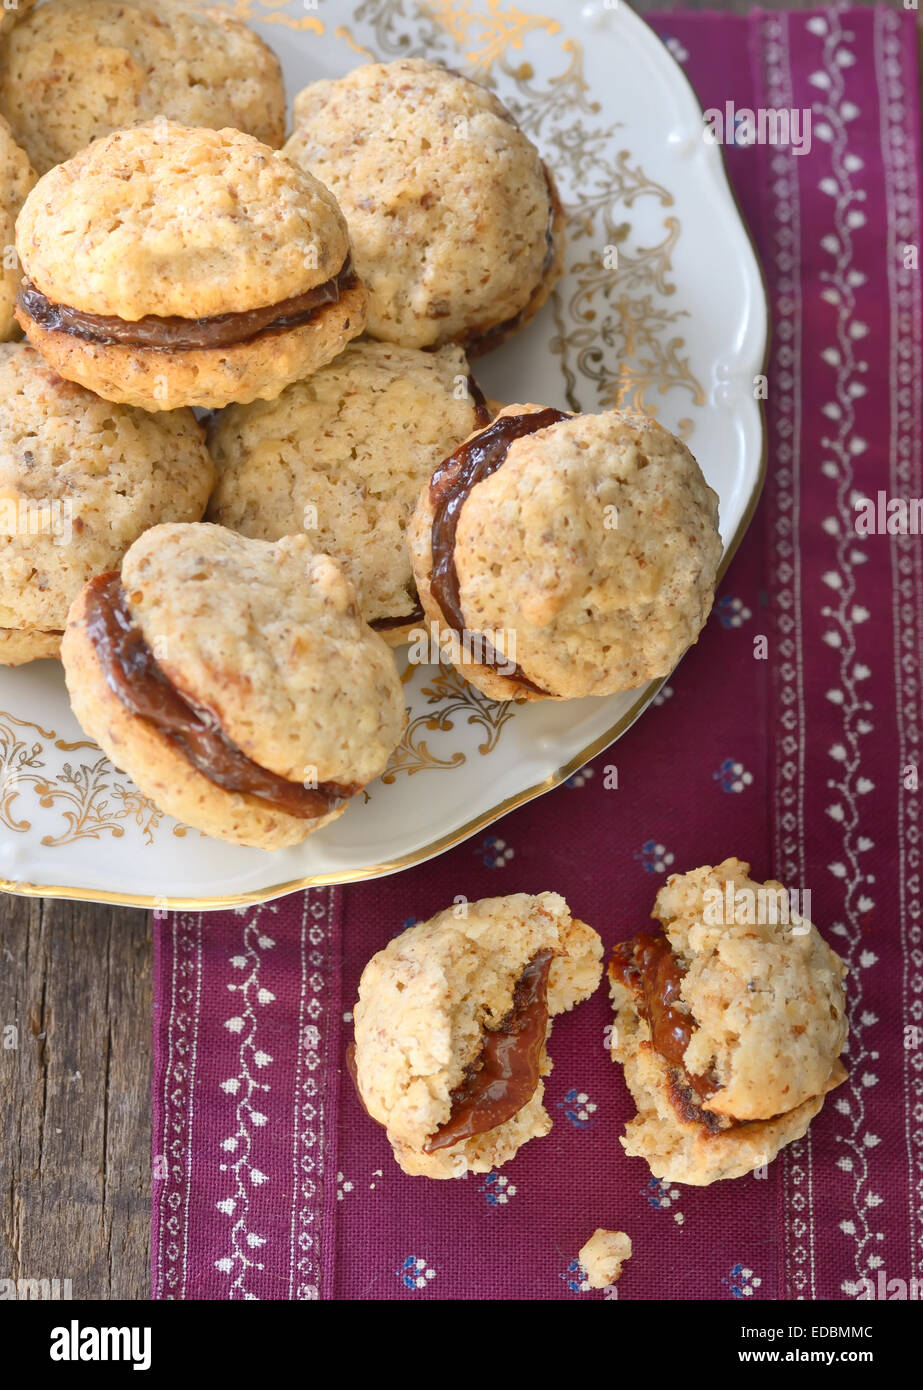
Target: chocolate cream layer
450,488
648,968
177,334
135,677
505,1074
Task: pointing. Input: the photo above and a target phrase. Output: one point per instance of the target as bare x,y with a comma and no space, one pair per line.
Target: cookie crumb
603,1256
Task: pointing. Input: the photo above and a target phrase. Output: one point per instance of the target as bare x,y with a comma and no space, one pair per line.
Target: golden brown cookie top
75,70
268,637
342,456
764,988
16,11
168,220
591,552
447,200
80,479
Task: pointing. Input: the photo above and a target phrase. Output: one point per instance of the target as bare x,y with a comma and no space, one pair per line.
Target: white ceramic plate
678,328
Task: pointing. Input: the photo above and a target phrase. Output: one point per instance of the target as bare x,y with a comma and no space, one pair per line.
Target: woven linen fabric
796,753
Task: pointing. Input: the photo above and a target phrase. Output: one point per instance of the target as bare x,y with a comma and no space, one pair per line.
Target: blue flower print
497,1190
660,1194
578,1108
575,1278
732,776
655,858
732,612
495,853
742,1282
415,1273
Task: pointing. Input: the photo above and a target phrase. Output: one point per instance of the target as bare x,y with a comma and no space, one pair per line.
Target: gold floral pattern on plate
453,697
92,802
491,31
276,12
21,761
89,795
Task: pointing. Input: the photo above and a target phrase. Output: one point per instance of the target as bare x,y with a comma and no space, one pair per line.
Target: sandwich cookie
451,1025
75,70
729,1022
168,266
562,556
235,682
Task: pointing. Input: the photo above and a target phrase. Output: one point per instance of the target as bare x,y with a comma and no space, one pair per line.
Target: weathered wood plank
75,981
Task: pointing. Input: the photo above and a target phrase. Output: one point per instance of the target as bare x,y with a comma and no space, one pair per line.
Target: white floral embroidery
843,615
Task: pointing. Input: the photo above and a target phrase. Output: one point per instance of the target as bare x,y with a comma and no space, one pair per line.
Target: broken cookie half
729,1023
451,1025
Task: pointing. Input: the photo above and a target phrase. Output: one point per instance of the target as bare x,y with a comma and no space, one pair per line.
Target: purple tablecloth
272,1183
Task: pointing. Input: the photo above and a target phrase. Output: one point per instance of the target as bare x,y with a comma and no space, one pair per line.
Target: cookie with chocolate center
729,1022
561,556
451,1025
456,223
80,480
167,266
342,457
235,681
76,70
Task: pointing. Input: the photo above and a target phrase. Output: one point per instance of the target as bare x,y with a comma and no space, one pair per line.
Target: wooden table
75,980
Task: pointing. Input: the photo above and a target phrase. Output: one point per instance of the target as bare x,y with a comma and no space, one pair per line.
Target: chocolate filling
450,488
182,335
133,674
505,1074
648,968
387,624
482,413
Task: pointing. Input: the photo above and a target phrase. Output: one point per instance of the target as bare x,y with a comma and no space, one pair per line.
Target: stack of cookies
242,454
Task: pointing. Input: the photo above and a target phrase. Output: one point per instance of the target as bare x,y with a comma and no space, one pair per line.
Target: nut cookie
343,455
80,480
16,178
729,1023
235,681
169,266
563,556
76,70
451,1025
457,226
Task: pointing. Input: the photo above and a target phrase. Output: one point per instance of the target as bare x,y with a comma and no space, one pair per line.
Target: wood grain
75,981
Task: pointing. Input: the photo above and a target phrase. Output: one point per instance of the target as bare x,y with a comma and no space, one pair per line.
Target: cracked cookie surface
428,1001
